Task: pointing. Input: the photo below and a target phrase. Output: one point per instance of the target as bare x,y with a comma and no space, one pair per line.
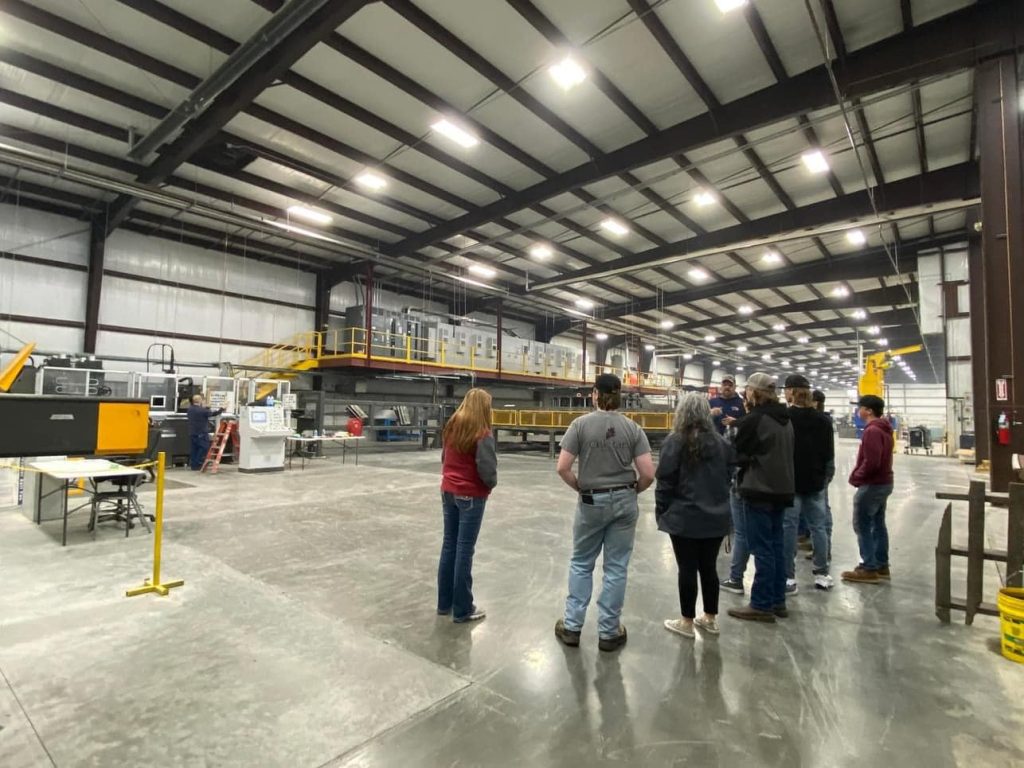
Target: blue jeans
810,507
200,447
763,522
609,524
740,548
869,524
462,518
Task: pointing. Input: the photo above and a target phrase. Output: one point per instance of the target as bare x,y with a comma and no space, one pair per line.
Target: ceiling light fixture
709,339
567,73
687,356
803,339
703,198
309,214
822,350
873,330
856,237
840,291
615,226
667,324
371,180
601,336
815,161
459,135
584,303
541,252
766,356
729,5
716,363
860,314
649,347
481,270
741,349
772,257
882,342
779,327
699,274
746,309
739,368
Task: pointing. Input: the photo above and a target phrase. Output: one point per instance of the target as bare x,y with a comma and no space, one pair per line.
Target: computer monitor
257,417
158,402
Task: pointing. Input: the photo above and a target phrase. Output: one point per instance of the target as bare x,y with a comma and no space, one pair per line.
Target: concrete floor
305,635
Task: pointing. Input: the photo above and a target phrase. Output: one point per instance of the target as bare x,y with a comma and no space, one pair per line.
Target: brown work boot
883,573
750,613
860,576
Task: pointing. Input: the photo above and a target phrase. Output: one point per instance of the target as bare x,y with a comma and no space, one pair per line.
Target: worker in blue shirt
199,431
727,408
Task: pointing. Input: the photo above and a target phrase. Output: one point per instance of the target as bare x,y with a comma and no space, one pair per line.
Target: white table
65,471
302,445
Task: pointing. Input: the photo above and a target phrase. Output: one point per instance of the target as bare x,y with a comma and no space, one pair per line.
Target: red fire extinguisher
1003,429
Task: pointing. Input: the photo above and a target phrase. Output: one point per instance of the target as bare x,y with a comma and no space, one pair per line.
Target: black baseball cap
608,384
796,381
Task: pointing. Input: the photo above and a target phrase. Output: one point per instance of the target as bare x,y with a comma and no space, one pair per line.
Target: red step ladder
227,430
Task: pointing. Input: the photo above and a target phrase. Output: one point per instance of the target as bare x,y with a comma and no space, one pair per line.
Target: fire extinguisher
1003,429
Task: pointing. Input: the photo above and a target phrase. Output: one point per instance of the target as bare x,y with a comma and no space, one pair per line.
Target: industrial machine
872,380
262,431
408,335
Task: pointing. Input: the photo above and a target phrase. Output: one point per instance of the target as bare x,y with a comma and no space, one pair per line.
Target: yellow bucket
1011,622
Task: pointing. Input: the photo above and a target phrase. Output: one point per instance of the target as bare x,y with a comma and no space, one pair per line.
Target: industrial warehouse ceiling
703,175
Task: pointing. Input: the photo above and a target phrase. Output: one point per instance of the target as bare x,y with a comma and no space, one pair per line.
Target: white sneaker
791,587
708,625
823,581
680,627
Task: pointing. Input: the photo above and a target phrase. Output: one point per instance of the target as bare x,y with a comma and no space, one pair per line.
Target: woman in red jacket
469,472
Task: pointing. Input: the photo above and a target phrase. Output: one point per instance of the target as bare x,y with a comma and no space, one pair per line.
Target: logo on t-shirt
610,433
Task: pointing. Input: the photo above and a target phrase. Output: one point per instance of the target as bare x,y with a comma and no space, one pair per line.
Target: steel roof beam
274,62
951,184
963,36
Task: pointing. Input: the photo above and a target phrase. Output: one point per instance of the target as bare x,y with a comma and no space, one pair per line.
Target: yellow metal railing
653,421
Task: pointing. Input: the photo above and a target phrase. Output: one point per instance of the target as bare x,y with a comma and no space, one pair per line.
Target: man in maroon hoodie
872,477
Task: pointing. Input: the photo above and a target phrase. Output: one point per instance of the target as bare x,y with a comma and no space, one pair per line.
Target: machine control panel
267,421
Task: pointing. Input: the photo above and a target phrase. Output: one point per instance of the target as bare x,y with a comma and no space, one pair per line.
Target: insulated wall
210,306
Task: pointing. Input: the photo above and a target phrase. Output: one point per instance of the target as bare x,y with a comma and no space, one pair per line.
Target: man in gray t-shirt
608,446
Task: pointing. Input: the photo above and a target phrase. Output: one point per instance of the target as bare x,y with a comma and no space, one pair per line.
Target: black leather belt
608,490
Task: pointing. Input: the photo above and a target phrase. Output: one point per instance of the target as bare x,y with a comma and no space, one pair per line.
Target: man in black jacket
813,453
764,448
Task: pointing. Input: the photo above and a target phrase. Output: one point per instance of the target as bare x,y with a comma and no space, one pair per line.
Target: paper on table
85,466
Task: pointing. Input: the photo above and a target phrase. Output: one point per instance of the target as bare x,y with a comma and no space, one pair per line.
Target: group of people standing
751,466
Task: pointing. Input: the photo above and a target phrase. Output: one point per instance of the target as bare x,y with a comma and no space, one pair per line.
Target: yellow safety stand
154,584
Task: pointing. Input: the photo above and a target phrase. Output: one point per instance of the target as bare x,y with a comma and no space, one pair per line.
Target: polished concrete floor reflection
305,635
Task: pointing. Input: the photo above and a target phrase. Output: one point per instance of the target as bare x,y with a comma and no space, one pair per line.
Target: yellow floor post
154,584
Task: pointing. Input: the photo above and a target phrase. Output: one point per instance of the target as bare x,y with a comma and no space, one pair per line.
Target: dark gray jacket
764,448
692,495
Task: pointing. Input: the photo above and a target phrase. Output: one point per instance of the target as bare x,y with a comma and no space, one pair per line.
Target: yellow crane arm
872,380
10,373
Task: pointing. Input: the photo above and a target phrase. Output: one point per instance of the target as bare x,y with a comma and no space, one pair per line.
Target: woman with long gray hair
692,507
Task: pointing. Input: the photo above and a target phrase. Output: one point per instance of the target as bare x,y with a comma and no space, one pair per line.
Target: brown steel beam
903,58
236,97
1002,239
94,284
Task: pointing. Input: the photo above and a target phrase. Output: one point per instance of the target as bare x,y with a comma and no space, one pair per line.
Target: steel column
368,293
500,332
979,350
94,283
1002,240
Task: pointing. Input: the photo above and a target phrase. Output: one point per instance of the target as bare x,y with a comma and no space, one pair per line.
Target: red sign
1001,390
